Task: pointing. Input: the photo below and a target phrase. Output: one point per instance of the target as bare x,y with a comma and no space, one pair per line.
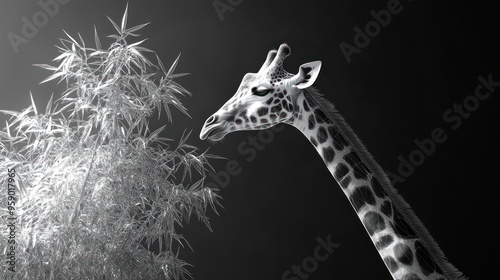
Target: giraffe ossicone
272,96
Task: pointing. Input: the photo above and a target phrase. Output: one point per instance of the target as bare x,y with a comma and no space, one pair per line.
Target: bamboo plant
97,194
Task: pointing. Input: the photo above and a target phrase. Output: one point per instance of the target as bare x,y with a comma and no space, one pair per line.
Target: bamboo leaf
7,127
63,55
114,25
136,44
97,40
136,28
8,112
124,19
33,102
162,67
173,76
116,37
81,40
172,67
53,76
48,108
72,40
143,49
46,66
96,53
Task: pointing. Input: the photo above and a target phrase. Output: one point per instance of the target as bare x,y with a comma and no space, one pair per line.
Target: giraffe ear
308,72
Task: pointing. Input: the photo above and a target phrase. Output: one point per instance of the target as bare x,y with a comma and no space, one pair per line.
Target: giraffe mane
317,98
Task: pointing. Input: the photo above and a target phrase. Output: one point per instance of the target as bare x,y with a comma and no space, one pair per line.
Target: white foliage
95,188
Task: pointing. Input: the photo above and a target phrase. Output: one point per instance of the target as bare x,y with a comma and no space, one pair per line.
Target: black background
395,91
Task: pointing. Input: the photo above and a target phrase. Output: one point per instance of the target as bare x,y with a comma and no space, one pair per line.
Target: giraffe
272,96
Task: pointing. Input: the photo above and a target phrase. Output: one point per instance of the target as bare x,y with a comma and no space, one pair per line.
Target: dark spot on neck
322,135
373,222
311,122
339,141
384,241
401,227
320,116
361,196
340,171
345,182
284,103
403,254
306,106
359,168
328,155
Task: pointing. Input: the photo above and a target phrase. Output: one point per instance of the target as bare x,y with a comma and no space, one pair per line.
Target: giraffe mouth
213,133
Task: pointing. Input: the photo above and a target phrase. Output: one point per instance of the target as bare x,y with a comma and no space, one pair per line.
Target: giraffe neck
403,243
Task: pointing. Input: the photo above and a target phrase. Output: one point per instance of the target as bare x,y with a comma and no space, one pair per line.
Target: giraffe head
263,99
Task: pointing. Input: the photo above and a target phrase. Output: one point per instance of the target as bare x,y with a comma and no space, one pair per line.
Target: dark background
395,91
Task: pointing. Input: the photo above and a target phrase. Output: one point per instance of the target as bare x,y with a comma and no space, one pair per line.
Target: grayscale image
237,139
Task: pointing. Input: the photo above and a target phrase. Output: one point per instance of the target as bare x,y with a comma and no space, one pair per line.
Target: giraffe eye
261,91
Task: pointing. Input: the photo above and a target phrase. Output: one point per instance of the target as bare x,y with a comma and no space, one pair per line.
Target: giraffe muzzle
214,132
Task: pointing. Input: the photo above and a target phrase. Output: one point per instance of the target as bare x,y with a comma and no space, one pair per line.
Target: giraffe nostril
211,119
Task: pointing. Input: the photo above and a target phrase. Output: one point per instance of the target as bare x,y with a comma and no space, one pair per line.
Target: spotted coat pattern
274,96
393,236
